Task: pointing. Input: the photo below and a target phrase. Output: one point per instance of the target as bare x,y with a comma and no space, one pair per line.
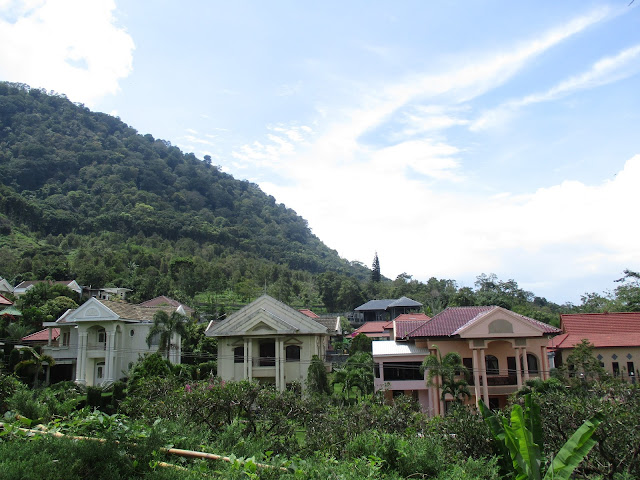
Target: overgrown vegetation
304,435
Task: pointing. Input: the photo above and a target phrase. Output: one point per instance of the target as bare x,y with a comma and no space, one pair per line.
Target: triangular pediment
500,323
266,315
91,311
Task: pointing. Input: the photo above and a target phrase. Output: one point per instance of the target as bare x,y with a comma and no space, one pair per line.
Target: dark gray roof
404,302
387,304
374,305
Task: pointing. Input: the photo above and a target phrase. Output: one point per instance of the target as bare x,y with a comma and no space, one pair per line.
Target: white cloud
605,71
69,46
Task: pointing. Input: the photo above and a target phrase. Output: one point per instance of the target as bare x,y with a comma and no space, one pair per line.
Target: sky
452,138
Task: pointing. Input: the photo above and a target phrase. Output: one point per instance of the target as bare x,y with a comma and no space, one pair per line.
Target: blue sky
452,138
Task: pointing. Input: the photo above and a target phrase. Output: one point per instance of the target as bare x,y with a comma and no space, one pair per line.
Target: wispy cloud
605,71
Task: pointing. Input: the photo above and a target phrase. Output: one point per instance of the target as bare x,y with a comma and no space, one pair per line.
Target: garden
164,422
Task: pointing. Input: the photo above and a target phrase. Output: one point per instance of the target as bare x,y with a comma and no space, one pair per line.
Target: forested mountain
84,195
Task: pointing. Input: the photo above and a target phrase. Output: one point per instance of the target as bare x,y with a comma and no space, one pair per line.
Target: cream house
268,341
99,341
501,350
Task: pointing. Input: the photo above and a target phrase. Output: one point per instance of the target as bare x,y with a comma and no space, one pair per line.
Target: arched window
293,353
532,362
493,367
238,355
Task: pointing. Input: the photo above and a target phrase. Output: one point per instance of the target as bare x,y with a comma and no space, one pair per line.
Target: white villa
100,340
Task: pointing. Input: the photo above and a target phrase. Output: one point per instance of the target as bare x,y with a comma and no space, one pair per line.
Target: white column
476,374
250,359
518,369
525,360
49,339
277,365
485,383
245,366
544,368
108,361
81,360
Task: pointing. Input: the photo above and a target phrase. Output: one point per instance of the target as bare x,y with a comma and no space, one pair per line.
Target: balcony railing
96,345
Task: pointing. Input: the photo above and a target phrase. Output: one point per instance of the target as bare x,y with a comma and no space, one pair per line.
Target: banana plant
521,440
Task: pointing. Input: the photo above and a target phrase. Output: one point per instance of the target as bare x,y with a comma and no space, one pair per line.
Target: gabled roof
408,317
404,302
372,329
164,301
455,320
30,283
332,324
107,310
267,316
12,310
386,304
620,329
4,301
42,335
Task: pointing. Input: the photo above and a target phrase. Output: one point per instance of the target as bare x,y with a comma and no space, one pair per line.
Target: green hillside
83,195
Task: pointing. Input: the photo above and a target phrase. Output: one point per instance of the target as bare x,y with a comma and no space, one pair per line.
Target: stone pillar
544,367
476,374
525,360
278,365
108,361
249,351
49,339
485,383
81,360
518,369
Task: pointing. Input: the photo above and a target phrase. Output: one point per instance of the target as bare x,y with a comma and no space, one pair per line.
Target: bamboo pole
170,451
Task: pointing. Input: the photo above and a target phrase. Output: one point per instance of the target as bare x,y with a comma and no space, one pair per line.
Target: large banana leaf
574,451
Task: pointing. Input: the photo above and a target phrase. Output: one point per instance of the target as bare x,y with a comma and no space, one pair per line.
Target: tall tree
166,326
375,269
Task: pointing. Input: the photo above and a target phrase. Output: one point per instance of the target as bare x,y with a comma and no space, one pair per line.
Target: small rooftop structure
386,309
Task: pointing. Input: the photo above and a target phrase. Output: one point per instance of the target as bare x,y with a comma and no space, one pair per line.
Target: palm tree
447,368
166,326
36,363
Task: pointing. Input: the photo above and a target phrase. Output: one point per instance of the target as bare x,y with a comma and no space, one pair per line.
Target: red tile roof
372,329
408,317
450,321
601,329
5,301
308,313
42,335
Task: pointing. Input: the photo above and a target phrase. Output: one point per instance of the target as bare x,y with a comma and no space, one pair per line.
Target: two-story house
98,342
501,349
268,341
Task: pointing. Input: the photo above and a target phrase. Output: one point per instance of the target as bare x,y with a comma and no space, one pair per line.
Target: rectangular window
238,355
615,366
402,371
631,369
66,336
268,353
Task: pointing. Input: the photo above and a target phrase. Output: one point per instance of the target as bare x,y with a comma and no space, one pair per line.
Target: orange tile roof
42,335
617,329
5,301
308,313
372,329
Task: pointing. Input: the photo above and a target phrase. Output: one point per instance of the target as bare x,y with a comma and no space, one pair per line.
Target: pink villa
500,348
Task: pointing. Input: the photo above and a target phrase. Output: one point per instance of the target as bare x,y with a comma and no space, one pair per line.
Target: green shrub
26,403
94,397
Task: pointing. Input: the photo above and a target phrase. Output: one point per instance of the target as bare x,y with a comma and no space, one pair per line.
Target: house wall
498,387
293,371
608,356
124,345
